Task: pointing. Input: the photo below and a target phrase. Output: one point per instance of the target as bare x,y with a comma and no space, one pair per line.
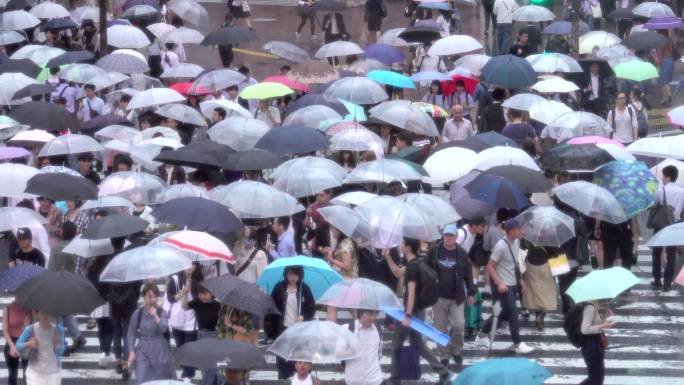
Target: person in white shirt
457,128
169,58
249,81
365,368
91,105
267,113
670,194
623,120
303,375
503,9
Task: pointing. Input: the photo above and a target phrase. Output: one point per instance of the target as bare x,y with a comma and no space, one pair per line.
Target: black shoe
119,368
486,295
667,287
445,362
458,360
655,284
78,344
67,351
125,374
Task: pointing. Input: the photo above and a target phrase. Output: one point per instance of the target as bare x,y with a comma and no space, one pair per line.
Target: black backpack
573,325
428,285
642,122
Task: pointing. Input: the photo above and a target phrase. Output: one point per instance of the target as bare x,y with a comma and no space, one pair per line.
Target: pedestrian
492,117
491,237
412,286
76,216
592,343
85,167
102,314
91,105
285,244
334,28
365,368
151,352
267,113
618,241
47,342
522,48
519,130
594,91
15,319
503,9
488,6
253,257
435,95
507,281
240,10
665,59
640,106
48,210
171,173
237,325
306,9
26,253
374,12
669,194
456,288
343,256
540,285
206,310
623,120
226,51
457,128
302,375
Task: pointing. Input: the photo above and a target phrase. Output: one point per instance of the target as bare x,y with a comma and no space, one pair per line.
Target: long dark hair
295,269
195,278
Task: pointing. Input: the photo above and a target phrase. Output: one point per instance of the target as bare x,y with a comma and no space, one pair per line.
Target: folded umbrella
58,187
504,371
229,36
114,226
287,51
11,279
360,293
318,275
508,71
210,353
252,160
248,199
591,200
237,293
602,284
316,342
146,262
293,140
197,214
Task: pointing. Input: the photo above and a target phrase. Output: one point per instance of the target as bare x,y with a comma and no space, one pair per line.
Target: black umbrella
70,57
252,160
293,140
231,290
114,226
508,71
33,90
330,5
217,150
198,214
58,24
645,40
59,293
621,13
103,121
17,5
229,36
585,157
60,187
188,158
479,142
208,353
312,99
420,34
24,66
528,180
46,116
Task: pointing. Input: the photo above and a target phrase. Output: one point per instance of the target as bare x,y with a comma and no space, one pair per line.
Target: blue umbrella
384,53
497,191
317,274
12,278
630,182
434,5
564,28
391,78
428,76
508,71
293,140
504,371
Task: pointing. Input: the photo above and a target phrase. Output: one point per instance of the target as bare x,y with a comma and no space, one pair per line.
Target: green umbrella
602,284
411,154
636,70
265,90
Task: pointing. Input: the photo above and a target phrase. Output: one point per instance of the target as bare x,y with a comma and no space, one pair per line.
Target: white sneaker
297,36
522,348
103,361
482,341
187,380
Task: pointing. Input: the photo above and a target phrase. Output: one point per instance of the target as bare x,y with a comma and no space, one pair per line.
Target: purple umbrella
13,153
384,53
664,22
11,279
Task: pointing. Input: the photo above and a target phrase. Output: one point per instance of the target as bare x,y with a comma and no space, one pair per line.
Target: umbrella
595,140
31,137
667,236
182,190
383,171
238,132
449,164
59,186
602,284
49,10
216,80
652,9
123,63
119,132
313,116
114,226
420,34
564,28
357,139
146,262
318,275
508,71
384,53
656,147
104,121
58,24
645,40
338,48
427,76
182,113
533,14
309,100
197,214
188,158
13,179
10,84
347,221
554,85
47,293
441,212
70,144
232,108
528,180
80,72
664,22
126,36
265,90
546,226
293,140
210,353
504,371
591,200
496,191
405,115
137,187
454,45
357,90
248,199
636,70
596,39
553,62
141,12
577,123
17,20
11,279
548,111
360,293
154,97
307,175
330,5
585,157
391,37
13,218
621,14
10,128
88,248
182,35
34,89
239,294
252,160
466,206
287,51
473,62
317,342
391,78
160,29
13,153
630,182
48,116
479,142
197,245
229,36
11,37
107,202
353,198
182,70
313,72
189,11
504,156
24,66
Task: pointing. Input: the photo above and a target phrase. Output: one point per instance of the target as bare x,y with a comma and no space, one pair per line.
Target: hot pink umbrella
295,85
594,140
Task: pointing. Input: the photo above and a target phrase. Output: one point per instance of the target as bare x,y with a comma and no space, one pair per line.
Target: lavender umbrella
384,53
664,22
13,153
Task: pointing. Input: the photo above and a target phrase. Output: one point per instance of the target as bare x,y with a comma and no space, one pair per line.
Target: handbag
604,340
174,310
660,215
30,354
408,360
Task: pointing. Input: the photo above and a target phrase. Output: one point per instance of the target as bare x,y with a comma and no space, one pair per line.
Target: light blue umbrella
317,274
391,78
504,371
427,76
434,5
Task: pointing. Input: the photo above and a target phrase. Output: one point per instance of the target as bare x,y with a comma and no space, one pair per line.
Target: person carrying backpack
640,106
585,327
419,284
623,121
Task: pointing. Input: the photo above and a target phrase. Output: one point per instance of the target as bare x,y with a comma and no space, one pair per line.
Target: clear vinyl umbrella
338,48
405,115
360,293
107,202
504,156
146,262
119,132
596,39
182,35
13,178
548,111
298,165
656,147
347,221
441,212
546,226
38,54
533,14
668,236
306,183
357,139
553,62
17,20
554,85
523,101
182,190
155,97
80,72
248,199
190,11
287,51
126,36
473,62
238,132
357,90
383,171
454,45
70,144
577,123
12,82
137,187
123,63
315,116
88,248
49,10
181,113
317,342
650,9
216,80
391,37
12,218
353,198
182,70
231,108
144,152
11,37
591,200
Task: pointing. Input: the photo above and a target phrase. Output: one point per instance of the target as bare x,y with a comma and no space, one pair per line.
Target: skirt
540,288
666,71
235,8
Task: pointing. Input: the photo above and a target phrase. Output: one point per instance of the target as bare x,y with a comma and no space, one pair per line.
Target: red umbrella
295,85
184,87
449,86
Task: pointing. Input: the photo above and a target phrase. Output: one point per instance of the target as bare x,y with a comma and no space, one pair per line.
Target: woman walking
593,349
46,341
105,327
307,13
15,319
665,58
240,10
206,310
374,12
540,286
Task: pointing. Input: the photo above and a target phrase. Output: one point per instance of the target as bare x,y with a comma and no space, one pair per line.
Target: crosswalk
646,346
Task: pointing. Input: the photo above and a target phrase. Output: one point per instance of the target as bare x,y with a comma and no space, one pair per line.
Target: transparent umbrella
357,139
189,11
13,178
338,48
304,184
12,82
546,226
383,171
70,144
119,132
17,20
449,164
248,199
126,36
357,90
348,221
88,248
441,212
49,10
38,54
360,293
454,45
405,115
298,165
533,14
216,80
238,132
231,108
106,202
182,70
317,342
353,198
553,62
652,9
287,51
391,37
473,62
524,101
668,236
145,151
591,200
155,97
182,113
315,116
596,39
11,37
548,111
182,190
182,35
12,218
137,187
146,262
577,123
81,72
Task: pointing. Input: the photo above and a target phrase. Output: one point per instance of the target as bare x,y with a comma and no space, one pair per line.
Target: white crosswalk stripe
645,346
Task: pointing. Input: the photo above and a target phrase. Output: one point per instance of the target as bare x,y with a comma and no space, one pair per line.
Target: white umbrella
548,112
88,12
299,165
391,37
31,137
49,10
553,62
533,14
11,37
473,62
449,164
106,81
88,248
13,178
17,20
454,45
182,113
656,147
182,190
38,54
231,108
70,144
439,209
106,202
594,39
216,80
145,151
556,85
657,170
504,156
126,36
382,171
190,11
81,72
165,132
160,29
676,116
523,101
576,123
619,153
155,97
668,236
10,83
124,62
238,132
652,9
182,70
357,90
286,51
147,262
13,218
248,199
405,115
338,48
182,35
615,54
314,116
353,198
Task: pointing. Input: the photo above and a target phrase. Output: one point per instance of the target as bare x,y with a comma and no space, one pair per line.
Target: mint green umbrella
602,284
636,70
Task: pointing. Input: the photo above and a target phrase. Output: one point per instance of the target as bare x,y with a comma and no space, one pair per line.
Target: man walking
503,9
672,195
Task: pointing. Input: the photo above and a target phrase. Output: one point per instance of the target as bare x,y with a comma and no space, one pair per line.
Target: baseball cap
450,229
511,224
24,233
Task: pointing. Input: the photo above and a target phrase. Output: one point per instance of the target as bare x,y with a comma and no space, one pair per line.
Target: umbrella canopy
17,20
596,39
504,156
31,137
88,248
667,236
284,80
454,45
69,145
11,37
47,116
229,36
631,182
466,206
13,218
238,132
405,115
313,72
508,71
391,37
419,34
314,116
33,89
656,147
293,140
58,24
591,200
554,85
652,9
216,80
303,177
252,160
10,84
564,28
59,186
357,139
231,108
360,293
318,275
553,62
528,180
49,10
636,70
237,293
189,11
10,128
546,226
141,12
602,284
383,171
428,76
24,66
197,245
182,35
577,123
361,67
248,199
47,293
146,262
181,113
473,62
106,202
441,212
449,164
265,90
391,78
114,226
104,121
287,51
338,48
504,371
357,90
347,221
316,342
126,36
154,97
123,63
13,153
182,70
11,279
614,55
13,179
137,187
548,111
384,53
576,157
182,190
198,214
645,40
353,198
523,101
496,191
533,14
664,22
210,353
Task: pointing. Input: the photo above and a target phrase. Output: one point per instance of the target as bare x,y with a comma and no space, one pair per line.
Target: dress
347,246
239,9
540,286
153,360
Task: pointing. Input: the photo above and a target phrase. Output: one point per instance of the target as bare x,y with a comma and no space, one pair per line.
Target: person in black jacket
492,117
334,28
374,12
296,303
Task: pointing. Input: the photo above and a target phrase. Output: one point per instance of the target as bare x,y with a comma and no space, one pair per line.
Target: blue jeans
503,37
509,312
181,337
71,325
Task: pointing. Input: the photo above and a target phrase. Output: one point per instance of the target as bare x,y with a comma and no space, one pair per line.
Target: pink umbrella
295,85
680,278
594,140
